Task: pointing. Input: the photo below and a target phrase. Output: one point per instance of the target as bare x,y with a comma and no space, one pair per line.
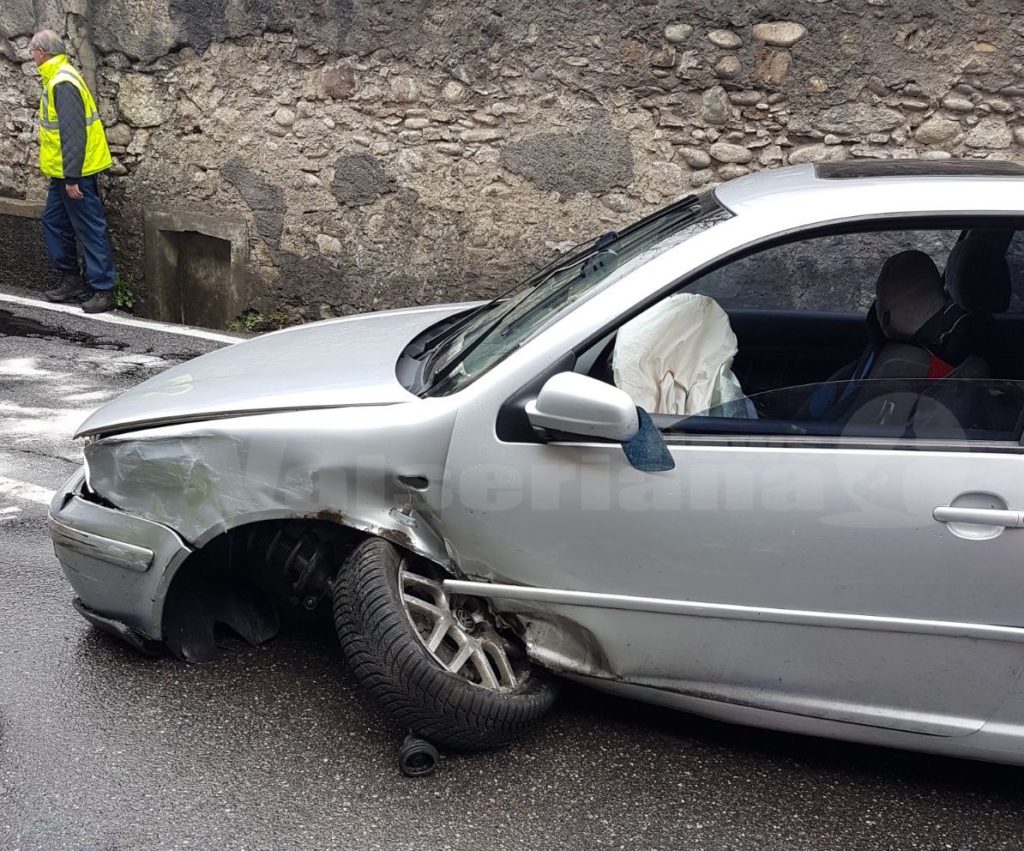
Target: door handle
980,516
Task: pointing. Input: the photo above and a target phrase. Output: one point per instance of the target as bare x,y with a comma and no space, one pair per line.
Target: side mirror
579,405
585,407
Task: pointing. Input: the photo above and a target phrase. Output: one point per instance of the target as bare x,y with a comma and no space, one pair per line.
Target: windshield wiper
435,347
442,337
436,344
594,257
598,261
482,335
602,260
570,258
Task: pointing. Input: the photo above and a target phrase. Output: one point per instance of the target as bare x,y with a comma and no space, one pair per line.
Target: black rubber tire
392,664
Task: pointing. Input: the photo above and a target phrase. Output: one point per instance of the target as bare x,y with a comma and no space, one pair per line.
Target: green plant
124,293
280,319
251,321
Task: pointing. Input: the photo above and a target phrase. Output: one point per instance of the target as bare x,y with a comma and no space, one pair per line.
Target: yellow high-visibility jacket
97,155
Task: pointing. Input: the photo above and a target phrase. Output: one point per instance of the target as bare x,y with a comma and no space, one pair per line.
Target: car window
854,334
828,273
1015,260
947,409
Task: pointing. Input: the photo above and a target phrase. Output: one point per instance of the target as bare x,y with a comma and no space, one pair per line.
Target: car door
803,577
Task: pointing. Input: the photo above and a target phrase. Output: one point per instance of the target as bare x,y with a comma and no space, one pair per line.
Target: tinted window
1015,259
942,409
828,273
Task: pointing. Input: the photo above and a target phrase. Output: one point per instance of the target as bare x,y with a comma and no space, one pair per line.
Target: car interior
936,354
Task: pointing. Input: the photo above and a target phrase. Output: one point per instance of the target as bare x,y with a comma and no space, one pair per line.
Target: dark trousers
66,220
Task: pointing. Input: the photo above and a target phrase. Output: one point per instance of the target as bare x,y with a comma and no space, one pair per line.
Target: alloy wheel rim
445,632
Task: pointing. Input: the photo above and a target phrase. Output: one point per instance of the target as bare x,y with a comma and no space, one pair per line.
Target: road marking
10,513
114,319
24,490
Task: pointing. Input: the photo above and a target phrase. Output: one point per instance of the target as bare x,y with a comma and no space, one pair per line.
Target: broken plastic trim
118,629
646,450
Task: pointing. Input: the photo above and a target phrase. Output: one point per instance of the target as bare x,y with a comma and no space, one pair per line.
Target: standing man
72,152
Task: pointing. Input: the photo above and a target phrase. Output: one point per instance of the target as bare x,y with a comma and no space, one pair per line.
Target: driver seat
915,331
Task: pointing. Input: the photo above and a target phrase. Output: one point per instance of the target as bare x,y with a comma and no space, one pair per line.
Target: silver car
756,457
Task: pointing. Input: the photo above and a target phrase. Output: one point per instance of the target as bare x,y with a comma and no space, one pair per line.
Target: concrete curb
118,319
17,207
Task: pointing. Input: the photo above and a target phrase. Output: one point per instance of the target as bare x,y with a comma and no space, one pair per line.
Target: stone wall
394,152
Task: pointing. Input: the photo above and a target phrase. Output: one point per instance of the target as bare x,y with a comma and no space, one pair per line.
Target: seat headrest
977,274
908,293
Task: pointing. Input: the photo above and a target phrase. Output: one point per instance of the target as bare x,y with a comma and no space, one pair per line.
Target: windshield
500,327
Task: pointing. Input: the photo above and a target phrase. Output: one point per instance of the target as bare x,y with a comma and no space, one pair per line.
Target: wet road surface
274,747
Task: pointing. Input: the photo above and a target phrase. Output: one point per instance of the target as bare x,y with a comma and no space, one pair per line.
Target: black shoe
72,288
101,301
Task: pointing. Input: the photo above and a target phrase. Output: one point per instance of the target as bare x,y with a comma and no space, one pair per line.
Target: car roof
836,190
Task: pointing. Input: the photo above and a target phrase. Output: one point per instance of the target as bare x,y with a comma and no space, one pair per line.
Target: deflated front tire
437,665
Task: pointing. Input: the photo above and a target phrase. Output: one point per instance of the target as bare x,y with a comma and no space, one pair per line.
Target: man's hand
73,191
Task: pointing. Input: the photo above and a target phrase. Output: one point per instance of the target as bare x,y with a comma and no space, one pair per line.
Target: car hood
349,361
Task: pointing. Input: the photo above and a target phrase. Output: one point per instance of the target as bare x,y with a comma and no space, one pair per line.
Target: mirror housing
579,405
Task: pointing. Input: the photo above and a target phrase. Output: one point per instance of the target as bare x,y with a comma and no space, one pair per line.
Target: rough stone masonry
394,152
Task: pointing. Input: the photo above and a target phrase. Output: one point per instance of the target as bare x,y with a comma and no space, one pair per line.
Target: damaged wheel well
250,579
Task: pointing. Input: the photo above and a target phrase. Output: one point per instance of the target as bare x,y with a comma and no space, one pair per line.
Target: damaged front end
116,561
265,510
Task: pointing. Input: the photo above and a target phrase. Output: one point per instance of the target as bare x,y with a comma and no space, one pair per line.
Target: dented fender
350,466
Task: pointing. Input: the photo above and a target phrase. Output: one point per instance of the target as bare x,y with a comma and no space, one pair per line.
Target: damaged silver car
757,456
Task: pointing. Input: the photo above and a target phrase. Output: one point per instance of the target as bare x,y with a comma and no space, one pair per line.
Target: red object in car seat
938,368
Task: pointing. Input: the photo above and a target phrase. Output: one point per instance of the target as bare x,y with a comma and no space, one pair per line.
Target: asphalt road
274,747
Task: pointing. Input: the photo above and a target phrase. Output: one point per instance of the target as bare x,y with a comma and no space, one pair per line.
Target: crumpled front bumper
119,565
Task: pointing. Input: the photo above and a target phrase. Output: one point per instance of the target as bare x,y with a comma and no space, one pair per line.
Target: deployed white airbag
676,358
